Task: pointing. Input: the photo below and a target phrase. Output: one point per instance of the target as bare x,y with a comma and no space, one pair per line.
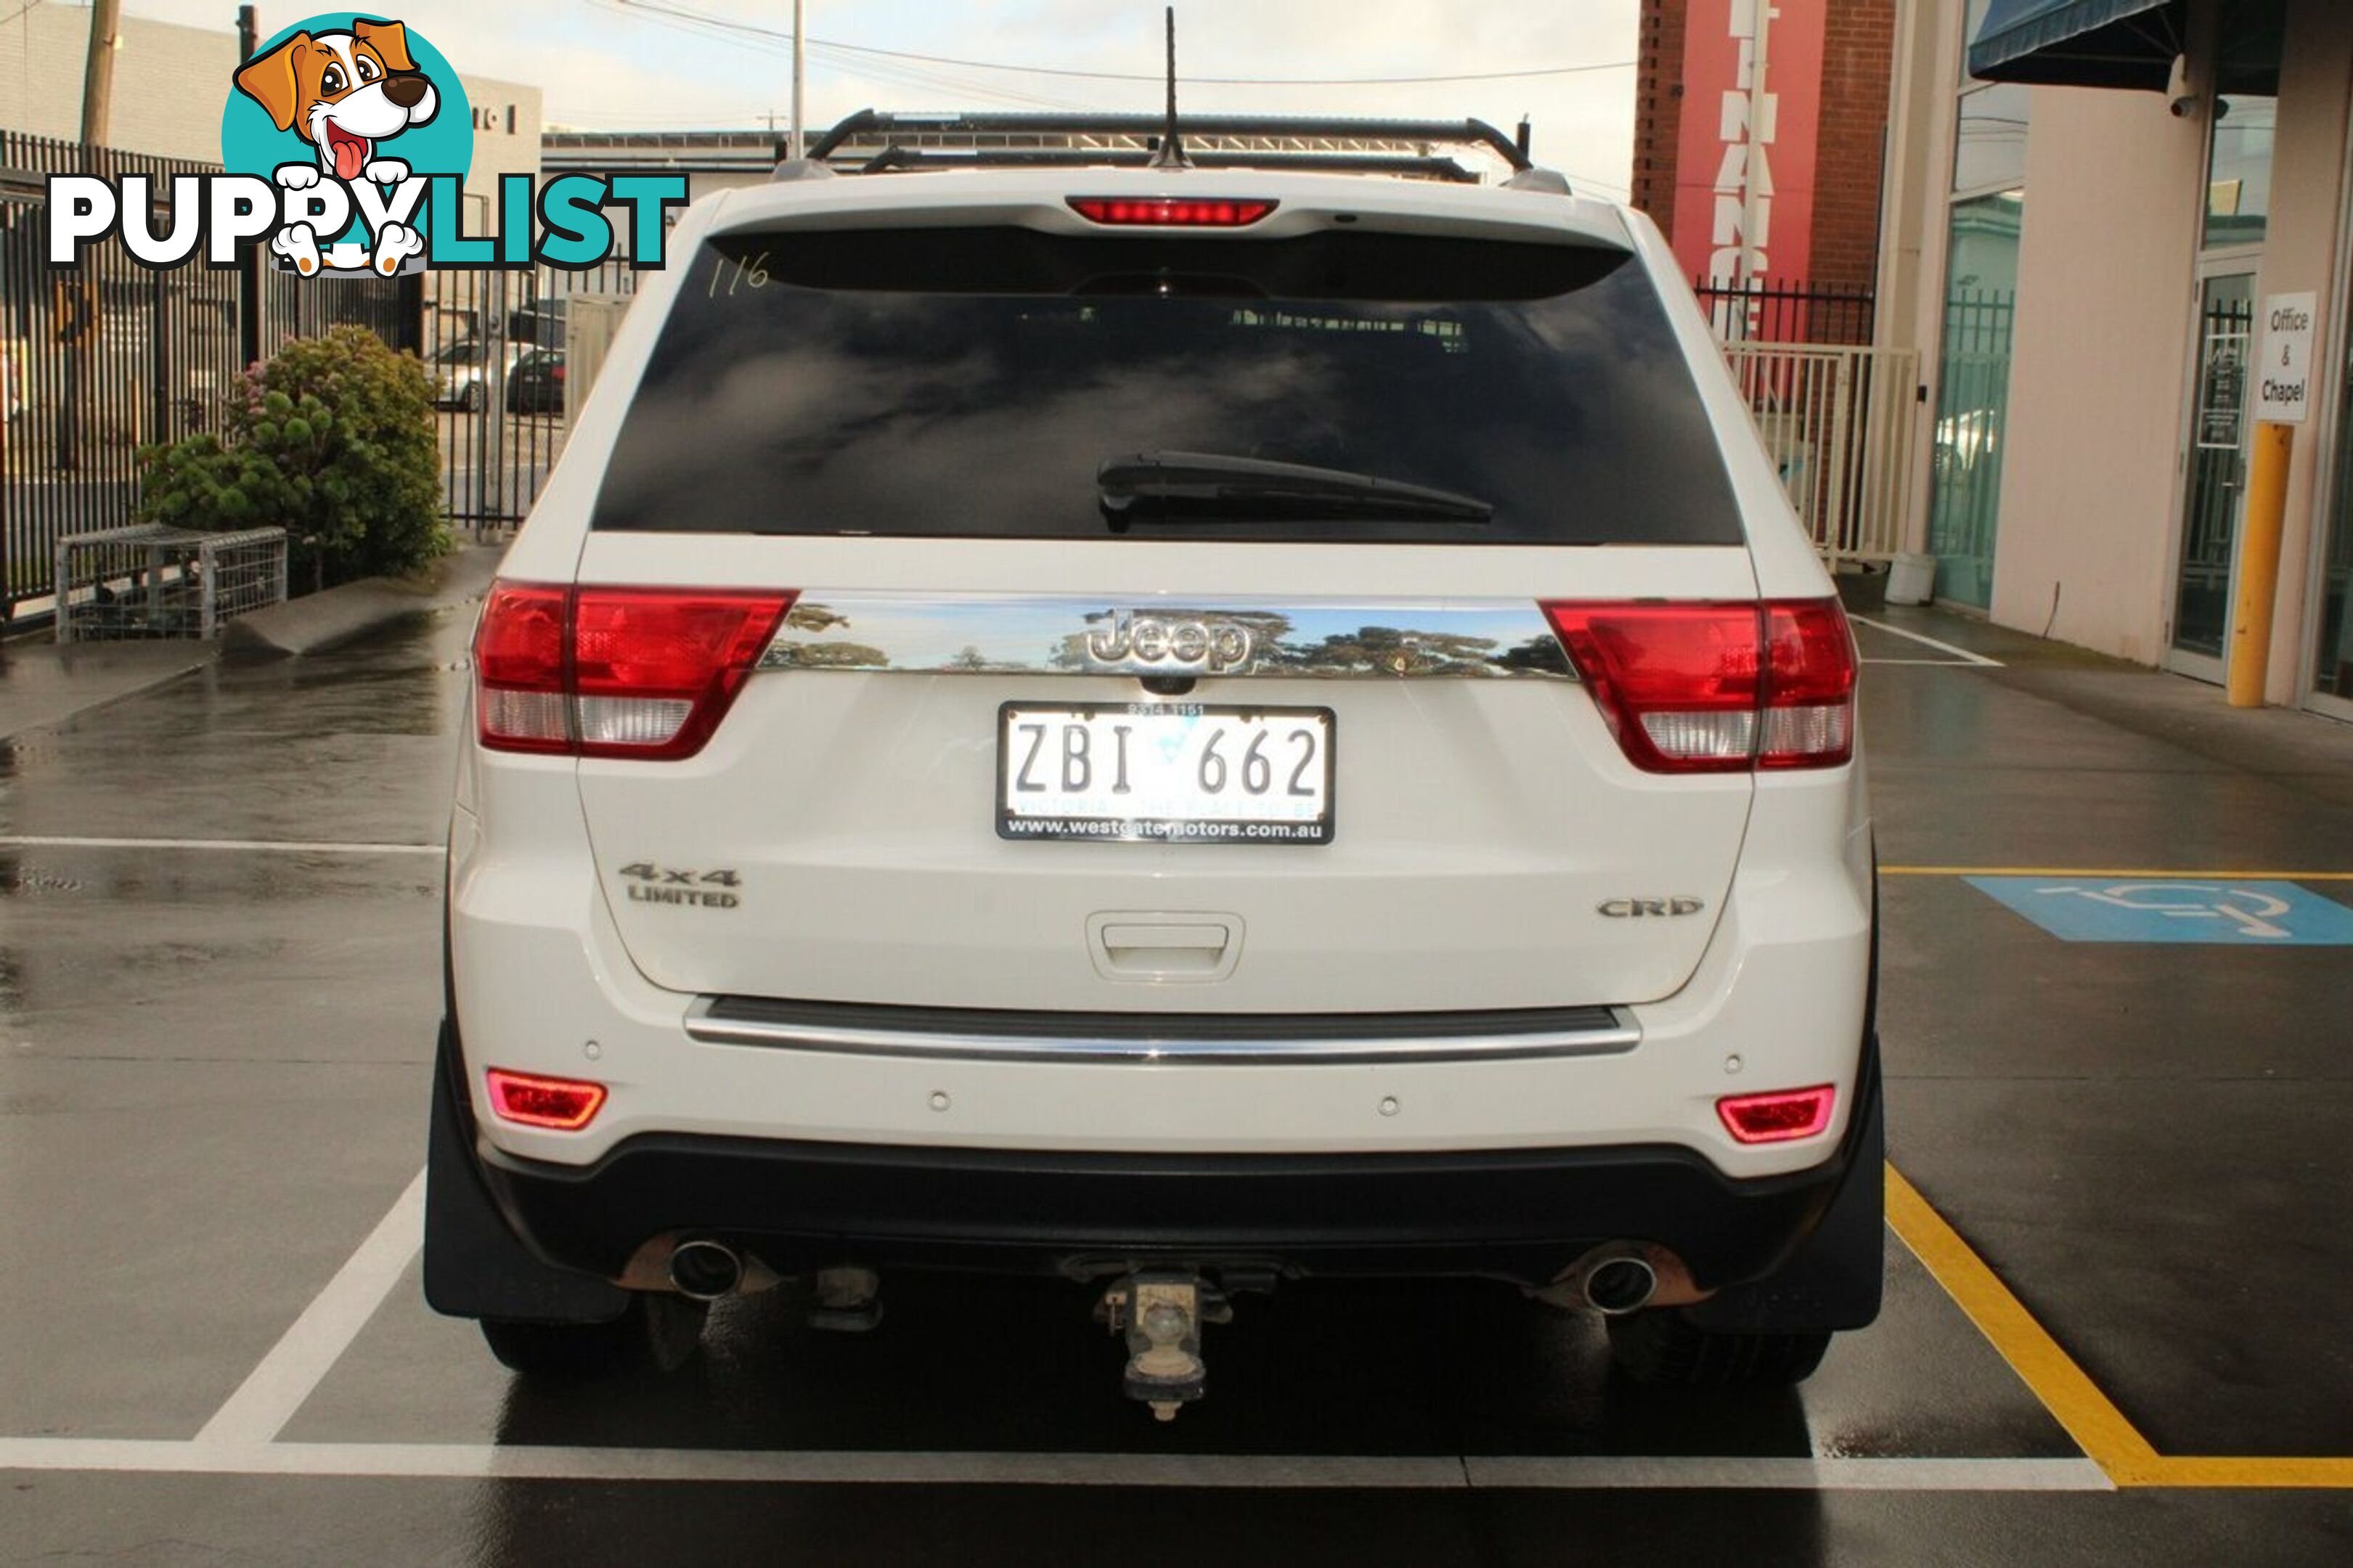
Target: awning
2080,43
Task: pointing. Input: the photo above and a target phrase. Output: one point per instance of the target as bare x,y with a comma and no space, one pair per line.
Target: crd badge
1217,645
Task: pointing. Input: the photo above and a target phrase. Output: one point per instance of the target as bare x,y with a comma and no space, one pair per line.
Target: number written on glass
745,274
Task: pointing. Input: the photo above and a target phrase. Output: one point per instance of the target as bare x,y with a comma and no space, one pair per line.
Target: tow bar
1161,1314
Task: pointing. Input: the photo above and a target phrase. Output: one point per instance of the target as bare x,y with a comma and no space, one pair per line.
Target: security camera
2185,106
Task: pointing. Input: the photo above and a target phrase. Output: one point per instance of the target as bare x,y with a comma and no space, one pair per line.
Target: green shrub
332,440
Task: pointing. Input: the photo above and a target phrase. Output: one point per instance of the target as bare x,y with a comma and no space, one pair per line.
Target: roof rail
895,158
1142,133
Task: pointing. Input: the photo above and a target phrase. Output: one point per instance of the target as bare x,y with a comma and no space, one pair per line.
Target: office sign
2283,385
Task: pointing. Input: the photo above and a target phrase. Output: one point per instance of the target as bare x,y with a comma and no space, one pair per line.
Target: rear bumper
1521,1216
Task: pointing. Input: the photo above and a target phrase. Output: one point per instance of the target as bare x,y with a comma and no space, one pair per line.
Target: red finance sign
1745,147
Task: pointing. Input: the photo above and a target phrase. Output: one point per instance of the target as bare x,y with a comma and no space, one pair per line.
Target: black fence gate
495,345
1791,314
109,356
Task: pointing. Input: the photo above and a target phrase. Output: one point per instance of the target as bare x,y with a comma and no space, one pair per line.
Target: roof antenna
1171,153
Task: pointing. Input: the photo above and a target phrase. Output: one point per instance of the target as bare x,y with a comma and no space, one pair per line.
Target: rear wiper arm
1186,487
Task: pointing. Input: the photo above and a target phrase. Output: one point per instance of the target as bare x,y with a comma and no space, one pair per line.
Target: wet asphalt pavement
212,1071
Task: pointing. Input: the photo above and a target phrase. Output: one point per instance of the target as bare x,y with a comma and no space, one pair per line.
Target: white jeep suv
1173,728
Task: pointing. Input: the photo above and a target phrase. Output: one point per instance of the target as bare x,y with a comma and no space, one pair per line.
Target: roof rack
1228,141
895,157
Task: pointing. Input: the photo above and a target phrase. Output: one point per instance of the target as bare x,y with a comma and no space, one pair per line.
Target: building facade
1789,153
2092,212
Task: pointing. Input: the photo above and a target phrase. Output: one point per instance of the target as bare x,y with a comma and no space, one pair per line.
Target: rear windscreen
974,383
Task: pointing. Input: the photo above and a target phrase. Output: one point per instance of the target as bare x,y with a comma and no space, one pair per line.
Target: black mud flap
474,1266
1834,1279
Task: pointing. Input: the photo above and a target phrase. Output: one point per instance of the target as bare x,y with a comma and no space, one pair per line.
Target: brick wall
1658,106
1857,55
1856,60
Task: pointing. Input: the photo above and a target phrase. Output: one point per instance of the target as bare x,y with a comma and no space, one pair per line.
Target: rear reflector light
1777,1118
1171,212
615,672
562,1104
1717,688
520,699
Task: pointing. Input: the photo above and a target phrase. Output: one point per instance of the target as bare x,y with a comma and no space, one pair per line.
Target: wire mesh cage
148,579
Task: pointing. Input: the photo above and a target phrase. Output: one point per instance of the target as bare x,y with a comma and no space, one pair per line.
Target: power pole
1750,204
800,80
248,265
97,72
97,91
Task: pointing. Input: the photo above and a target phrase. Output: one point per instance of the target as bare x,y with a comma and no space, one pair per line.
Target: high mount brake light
1777,1118
615,672
1718,686
560,1104
1171,212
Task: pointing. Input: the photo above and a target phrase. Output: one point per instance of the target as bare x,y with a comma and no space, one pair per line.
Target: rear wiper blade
1209,487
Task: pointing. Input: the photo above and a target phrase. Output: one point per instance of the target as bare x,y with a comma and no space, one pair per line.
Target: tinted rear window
969,382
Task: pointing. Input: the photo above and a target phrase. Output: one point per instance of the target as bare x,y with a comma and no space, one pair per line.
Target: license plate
1168,772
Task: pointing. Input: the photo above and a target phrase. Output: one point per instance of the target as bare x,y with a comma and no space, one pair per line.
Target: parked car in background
536,385
460,372
540,323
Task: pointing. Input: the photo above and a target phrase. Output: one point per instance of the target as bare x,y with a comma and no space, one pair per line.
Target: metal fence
1797,313
1970,441
1838,415
1840,423
147,579
101,359
496,345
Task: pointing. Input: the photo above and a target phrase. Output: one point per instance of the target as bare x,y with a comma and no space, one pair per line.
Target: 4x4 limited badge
1215,644
653,884
1636,909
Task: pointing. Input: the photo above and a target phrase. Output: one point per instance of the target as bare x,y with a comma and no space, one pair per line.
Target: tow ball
1161,1315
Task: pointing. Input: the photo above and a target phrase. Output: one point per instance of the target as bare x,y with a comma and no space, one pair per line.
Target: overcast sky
616,65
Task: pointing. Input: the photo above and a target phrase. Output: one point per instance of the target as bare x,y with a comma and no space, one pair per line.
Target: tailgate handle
1164,947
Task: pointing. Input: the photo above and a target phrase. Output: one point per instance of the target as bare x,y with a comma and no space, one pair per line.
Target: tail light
561,1104
1717,688
1171,212
615,672
1777,1118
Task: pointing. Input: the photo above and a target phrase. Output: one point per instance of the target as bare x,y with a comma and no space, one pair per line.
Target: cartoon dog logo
346,94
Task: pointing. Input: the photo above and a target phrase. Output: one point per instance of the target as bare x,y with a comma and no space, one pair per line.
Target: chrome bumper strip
985,633
1589,1031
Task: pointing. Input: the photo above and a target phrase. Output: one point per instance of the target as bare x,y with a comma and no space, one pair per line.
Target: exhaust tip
705,1270
1617,1286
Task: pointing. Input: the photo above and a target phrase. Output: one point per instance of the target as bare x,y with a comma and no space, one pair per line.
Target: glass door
2218,475
2332,636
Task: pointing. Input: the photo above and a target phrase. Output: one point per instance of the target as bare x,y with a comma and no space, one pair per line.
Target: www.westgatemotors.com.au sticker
346,141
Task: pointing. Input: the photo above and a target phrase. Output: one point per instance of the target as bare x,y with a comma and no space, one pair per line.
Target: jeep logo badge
1212,644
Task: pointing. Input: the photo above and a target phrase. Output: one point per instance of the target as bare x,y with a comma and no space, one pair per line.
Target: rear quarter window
970,383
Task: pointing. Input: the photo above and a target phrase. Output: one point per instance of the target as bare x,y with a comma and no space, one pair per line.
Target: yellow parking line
2114,874
2099,1427
2074,1400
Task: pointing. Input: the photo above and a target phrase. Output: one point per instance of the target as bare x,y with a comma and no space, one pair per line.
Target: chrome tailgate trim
1221,1039
1291,638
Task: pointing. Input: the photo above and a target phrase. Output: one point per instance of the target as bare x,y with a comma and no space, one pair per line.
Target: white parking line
239,1439
281,845
1964,655
472,1461
307,1351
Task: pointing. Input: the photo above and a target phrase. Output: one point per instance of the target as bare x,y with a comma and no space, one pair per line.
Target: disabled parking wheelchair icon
2242,914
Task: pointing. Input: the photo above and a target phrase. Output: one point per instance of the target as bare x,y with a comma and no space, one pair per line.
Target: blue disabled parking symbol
2175,910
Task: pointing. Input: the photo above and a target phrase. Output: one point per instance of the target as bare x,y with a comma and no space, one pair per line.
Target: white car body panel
906,895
